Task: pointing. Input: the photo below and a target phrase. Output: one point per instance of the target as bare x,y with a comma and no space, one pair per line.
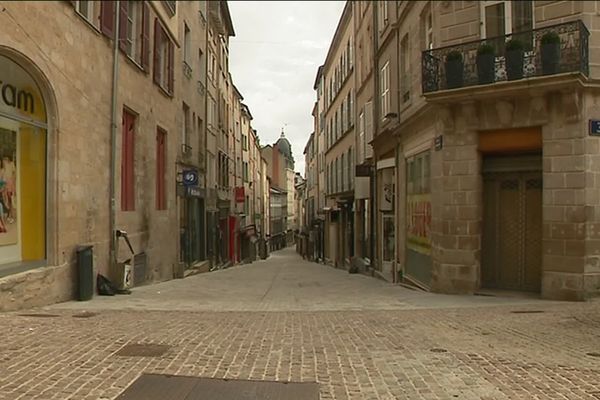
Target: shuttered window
163,58
127,162
161,162
107,18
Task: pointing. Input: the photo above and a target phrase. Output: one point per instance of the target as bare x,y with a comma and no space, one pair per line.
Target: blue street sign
190,178
594,127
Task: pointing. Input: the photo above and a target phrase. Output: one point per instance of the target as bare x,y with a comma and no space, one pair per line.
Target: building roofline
318,77
344,19
228,21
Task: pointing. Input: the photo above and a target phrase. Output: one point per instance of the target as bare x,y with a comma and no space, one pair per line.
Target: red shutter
127,163
157,38
145,36
123,25
161,203
170,65
107,18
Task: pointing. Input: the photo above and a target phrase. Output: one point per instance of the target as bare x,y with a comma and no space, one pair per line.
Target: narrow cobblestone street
287,319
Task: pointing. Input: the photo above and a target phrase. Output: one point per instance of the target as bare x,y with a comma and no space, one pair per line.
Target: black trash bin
85,269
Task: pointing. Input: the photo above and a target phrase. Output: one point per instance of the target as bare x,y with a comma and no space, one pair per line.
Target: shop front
387,220
23,149
192,220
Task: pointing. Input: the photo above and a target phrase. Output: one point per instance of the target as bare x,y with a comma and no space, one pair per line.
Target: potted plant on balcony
454,69
514,59
550,53
486,64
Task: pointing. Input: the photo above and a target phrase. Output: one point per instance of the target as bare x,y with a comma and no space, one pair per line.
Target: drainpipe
113,142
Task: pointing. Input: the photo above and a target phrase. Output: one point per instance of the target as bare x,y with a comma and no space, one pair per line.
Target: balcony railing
550,50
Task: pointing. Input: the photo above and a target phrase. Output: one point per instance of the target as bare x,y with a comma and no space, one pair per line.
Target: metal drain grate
169,387
527,312
85,314
39,315
143,350
438,350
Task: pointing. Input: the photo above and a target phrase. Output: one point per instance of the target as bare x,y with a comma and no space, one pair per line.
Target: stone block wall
456,207
76,62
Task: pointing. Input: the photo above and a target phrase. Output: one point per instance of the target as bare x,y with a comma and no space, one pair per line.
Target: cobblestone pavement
546,350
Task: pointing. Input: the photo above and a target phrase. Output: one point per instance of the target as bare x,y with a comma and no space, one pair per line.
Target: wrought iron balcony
551,50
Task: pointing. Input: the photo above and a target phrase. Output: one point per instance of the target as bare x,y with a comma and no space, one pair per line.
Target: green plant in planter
514,59
486,63
454,69
550,38
550,48
485,48
514,44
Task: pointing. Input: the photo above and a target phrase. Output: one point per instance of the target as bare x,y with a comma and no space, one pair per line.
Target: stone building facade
484,159
339,117
104,118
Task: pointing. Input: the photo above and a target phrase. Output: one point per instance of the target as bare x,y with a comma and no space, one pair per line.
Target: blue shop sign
190,177
194,191
595,127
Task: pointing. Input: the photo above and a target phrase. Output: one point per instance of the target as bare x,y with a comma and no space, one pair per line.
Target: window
89,10
383,14
405,69
361,138
187,45
244,142
368,129
350,173
428,29
161,163
127,162
171,6
342,119
245,174
342,174
501,18
212,112
185,128
134,30
385,90
349,110
163,58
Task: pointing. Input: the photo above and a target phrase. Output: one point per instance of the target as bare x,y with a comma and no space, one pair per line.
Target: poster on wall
419,223
9,231
386,200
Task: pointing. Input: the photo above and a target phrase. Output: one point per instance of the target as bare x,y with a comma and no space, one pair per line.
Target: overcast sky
274,57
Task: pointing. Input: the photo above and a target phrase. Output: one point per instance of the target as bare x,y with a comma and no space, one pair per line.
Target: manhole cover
39,315
594,354
527,312
143,350
169,387
438,350
84,314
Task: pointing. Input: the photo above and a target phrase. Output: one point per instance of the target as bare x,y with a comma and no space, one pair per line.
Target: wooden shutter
157,39
123,25
368,129
107,18
170,65
127,163
145,36
161,203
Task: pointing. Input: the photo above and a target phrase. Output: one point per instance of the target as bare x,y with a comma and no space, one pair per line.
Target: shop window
127,162
163,58
22,168
161,162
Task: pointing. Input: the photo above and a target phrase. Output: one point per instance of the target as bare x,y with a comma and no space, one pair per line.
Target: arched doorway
23,167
